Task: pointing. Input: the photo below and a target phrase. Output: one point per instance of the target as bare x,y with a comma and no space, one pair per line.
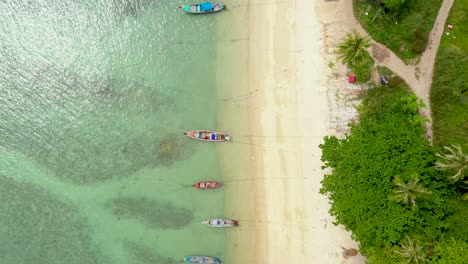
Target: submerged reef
144,255
152,213
169,150
37,228
86,130
131,7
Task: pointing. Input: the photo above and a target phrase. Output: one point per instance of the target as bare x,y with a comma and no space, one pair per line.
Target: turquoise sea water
93,164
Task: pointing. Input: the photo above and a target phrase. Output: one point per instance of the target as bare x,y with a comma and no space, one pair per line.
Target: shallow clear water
93,164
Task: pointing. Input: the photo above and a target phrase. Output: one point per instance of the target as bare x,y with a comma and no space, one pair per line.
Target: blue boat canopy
206,6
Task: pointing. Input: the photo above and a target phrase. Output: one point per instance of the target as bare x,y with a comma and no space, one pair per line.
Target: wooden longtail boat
216,222
208,135
202,259
207,185
203,8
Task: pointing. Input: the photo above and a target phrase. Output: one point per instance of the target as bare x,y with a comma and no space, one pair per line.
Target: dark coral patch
152,213
143,255
36,228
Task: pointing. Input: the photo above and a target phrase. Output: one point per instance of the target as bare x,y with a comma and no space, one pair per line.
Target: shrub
419,40
382,145
451,251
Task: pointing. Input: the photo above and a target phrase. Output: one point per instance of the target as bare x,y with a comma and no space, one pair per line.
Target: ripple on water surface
94,94
100,129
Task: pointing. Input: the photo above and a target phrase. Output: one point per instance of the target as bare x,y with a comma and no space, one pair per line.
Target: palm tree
352,51
412,251
465,196
454,160
408,193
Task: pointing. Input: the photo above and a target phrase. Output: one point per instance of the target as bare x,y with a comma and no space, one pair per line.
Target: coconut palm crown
408,193
352,50
412,251
454,160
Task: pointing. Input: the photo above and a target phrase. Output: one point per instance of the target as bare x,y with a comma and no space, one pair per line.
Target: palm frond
454,160
352,50
408,193
412,251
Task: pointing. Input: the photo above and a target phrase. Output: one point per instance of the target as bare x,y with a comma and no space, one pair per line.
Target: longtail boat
202,259
207,185
203,8
208,135
217,222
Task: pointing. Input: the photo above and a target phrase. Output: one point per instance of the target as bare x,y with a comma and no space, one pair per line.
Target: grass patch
449,105
363,71
384,71
404,31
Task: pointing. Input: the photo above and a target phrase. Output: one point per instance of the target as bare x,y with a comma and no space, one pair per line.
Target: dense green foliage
394,4
403,26
457,224
363,71
383,145
450,251
403,199
388,144
449,101
449,106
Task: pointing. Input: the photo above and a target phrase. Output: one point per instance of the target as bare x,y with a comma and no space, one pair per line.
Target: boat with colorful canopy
207,185
202,259
218,222
208,135
203,8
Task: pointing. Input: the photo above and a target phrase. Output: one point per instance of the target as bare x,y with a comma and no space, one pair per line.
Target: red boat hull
207,185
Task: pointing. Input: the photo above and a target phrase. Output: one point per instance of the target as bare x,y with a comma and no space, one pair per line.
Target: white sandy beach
292,104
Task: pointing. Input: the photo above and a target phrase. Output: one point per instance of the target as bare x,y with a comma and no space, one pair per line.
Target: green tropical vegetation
352,52
449,91
404,200
409,192
392,4
412,251
455,160
401,25
449,251
385,187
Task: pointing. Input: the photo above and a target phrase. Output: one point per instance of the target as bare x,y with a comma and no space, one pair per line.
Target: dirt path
418,77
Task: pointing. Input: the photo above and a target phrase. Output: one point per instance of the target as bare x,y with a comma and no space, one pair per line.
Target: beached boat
203,8
207,185
216,222
202,259
207,135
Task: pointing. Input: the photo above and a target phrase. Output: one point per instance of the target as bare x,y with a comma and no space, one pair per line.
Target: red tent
352,79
